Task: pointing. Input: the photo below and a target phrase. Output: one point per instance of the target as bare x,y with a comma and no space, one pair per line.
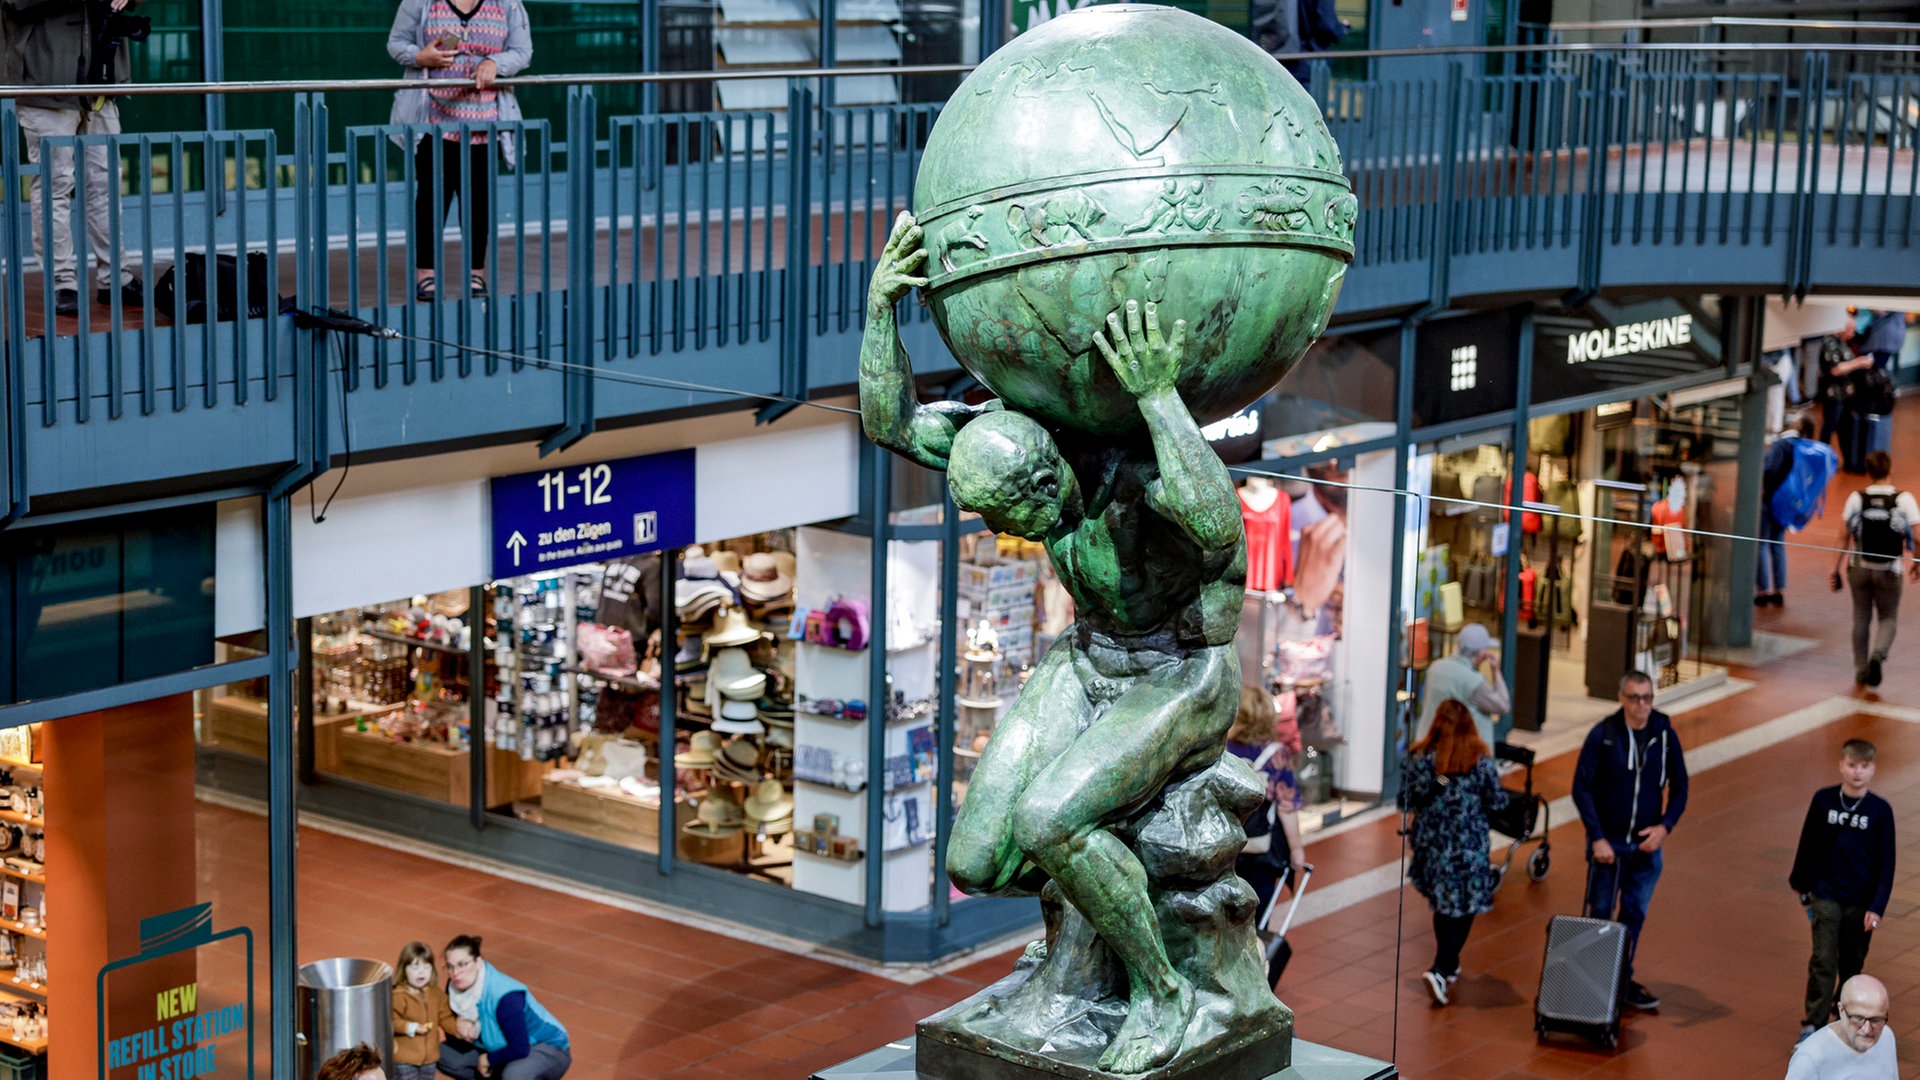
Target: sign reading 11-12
591,513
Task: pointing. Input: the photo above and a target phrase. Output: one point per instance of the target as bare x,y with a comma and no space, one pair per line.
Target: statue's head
1005,467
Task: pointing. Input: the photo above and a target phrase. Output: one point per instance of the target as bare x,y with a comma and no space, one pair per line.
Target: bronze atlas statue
1129,222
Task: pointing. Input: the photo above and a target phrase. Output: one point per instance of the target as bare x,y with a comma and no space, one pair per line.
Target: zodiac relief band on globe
1129,222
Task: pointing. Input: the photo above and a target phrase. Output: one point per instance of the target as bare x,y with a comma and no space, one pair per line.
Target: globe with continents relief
1122,152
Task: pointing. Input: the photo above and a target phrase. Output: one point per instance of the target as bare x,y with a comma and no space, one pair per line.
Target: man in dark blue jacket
1630,787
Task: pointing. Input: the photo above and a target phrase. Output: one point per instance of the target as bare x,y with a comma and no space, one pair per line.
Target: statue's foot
1155,1027
1035,950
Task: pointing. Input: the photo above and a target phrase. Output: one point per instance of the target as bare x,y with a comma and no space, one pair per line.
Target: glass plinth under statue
895,1061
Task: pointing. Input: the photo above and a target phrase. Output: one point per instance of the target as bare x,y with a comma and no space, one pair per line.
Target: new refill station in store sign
591,513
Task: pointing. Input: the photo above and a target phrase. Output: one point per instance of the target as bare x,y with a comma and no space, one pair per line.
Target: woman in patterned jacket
482,40
1449,782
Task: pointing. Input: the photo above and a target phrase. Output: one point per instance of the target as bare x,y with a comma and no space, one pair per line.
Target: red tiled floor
1725,943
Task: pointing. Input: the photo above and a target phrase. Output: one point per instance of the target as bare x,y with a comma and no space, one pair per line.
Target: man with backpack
1878,533
1807,468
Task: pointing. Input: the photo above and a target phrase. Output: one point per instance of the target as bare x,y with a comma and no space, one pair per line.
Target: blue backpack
1803,494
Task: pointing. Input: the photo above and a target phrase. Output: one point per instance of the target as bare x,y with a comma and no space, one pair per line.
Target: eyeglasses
1862,1021
1637,699
460,965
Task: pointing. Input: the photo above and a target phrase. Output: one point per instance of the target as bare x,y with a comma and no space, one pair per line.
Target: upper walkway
646,264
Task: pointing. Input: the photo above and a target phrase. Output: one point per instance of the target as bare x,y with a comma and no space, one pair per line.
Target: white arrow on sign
516,542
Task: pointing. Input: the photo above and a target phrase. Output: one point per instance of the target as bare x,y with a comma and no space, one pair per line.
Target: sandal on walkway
424,289
477,284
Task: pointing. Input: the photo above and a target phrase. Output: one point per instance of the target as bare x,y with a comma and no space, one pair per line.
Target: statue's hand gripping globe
1131,152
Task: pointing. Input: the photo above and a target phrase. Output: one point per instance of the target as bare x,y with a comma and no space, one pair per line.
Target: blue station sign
591,513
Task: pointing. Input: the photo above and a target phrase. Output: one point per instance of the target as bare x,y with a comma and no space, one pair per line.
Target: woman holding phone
481,40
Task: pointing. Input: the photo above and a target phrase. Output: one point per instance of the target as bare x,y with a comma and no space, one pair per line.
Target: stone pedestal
896,1061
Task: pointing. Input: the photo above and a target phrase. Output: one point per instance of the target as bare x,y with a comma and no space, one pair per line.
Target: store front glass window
1670,466
1455,570
100,603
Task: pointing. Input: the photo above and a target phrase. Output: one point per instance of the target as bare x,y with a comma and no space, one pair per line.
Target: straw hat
732,629
738,760
727,562
718,816
769,802
739,718
700,751
693,599
734,675
762,579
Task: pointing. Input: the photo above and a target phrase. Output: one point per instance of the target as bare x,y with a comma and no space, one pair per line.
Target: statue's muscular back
1132,572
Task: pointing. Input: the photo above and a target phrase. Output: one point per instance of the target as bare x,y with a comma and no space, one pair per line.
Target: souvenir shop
1305,457
1631,433
724,716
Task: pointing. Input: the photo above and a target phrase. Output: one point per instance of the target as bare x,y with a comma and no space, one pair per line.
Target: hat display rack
23,891
733,668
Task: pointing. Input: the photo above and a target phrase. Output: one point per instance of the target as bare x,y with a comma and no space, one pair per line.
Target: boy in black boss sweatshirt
1843,871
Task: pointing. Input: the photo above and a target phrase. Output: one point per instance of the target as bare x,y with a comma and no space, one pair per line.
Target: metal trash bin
343,1002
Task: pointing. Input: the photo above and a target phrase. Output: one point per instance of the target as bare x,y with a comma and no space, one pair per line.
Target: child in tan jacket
421,1014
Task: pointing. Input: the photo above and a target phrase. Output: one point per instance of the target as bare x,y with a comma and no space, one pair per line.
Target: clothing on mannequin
1267,513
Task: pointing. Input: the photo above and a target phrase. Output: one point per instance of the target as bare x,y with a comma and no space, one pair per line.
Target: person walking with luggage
1770,581
1449,782
1843,871
1470,676
1630,787
1857,1046
1877,531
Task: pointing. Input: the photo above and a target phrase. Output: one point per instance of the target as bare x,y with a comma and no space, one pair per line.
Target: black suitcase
1583,978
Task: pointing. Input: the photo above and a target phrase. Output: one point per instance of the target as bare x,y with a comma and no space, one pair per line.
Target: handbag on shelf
607,650
1304,661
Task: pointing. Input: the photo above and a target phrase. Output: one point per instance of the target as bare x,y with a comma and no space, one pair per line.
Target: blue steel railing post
1441,241
13,294
308,351
1813,99
993,26
319,285
650,141
1601,75
796,296
577,395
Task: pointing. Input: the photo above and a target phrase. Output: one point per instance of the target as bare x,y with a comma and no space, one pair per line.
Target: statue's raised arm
1194,489
889,409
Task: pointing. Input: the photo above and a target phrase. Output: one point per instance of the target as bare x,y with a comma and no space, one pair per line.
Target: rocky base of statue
1067,997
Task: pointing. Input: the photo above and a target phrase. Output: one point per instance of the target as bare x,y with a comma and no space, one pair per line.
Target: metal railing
742,237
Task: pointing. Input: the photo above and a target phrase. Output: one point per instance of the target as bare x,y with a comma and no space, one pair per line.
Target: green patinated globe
1131,152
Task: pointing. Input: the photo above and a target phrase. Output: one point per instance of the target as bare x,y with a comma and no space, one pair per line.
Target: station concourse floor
1725,944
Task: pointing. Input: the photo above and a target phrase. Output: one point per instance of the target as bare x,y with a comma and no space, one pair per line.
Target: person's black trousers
429,213
1450,936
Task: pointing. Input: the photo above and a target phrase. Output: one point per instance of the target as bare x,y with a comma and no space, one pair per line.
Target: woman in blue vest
507,1033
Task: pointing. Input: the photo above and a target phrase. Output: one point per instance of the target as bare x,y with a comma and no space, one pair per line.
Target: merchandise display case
23,893
733,663
1009,608
391,703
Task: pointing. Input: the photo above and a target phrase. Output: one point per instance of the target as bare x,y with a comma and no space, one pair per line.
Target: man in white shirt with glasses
1857,1046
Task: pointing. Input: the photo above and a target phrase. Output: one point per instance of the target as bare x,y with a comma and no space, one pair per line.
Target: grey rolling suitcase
1583,978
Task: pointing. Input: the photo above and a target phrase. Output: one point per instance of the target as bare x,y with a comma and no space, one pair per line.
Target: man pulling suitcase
1630,786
